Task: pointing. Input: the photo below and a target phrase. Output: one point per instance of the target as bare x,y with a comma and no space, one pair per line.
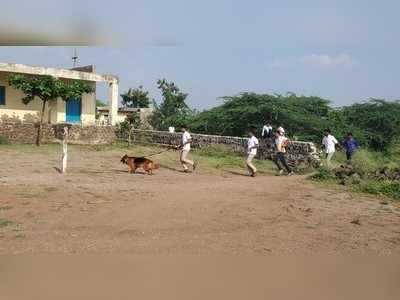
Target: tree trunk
39,132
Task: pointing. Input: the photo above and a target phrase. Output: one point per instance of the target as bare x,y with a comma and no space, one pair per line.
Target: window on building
2,95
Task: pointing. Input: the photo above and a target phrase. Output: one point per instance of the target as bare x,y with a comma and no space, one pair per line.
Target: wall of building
16,111
88,116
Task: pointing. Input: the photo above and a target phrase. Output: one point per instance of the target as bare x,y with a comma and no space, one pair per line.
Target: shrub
394,148
322,174
384,187
366,162
4,140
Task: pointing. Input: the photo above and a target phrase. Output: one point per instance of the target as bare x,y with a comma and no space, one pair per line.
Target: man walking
351,146
281,143
252,146
185,149
329,142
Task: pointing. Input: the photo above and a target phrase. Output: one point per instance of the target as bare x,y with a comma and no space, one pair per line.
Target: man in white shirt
266,131
185,149
281,143
329,142
252,146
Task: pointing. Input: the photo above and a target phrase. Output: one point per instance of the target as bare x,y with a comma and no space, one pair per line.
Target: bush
394,148
365,162
322,174
384,187
4,140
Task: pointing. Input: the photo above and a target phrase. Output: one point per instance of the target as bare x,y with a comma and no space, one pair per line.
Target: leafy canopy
173,110
48,88
136,98
374,123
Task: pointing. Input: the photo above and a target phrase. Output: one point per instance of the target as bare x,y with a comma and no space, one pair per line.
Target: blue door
73,111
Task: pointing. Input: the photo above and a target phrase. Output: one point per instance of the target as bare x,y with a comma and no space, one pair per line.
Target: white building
103,113
80,111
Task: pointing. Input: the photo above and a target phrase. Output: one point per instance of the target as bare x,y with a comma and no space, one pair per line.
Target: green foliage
48,88
366,162
5,222
377,122
383,187
72,90
220,158
173,110
302,116
394,147
4,140
322,174
45,88
132,121
136,98
218,151
100,103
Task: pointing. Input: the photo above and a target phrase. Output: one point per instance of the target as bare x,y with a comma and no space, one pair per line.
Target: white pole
65,150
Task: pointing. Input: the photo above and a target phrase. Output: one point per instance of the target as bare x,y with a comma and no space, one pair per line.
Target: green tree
47,88
173,110
304,117
100,103
377,122
136,98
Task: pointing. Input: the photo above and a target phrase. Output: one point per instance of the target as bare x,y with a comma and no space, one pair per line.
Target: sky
344,51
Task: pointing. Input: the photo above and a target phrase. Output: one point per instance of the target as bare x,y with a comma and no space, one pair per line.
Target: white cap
281,130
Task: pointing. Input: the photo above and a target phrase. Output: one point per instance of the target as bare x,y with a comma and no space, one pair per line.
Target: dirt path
99,208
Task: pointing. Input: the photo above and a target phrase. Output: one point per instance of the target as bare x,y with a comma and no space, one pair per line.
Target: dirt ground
99,208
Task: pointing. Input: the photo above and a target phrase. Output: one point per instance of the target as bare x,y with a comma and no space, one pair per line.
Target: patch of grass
366,162
107,147
7,207
4,140
217,151
20,236
322,174
51,189
29,148
382,188
220,158
5,222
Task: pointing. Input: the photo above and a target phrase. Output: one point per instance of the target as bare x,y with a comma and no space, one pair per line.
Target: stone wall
25,133
297,151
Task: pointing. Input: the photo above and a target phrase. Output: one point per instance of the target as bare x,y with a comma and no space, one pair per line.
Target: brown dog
139,162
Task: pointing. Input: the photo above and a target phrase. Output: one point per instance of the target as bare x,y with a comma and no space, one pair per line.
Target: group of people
280,140
329,142
280,143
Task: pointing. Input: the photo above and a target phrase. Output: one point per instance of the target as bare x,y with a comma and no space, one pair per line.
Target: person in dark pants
351,145
266,131
280,158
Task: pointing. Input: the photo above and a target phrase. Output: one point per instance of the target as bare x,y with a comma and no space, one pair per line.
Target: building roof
61,73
